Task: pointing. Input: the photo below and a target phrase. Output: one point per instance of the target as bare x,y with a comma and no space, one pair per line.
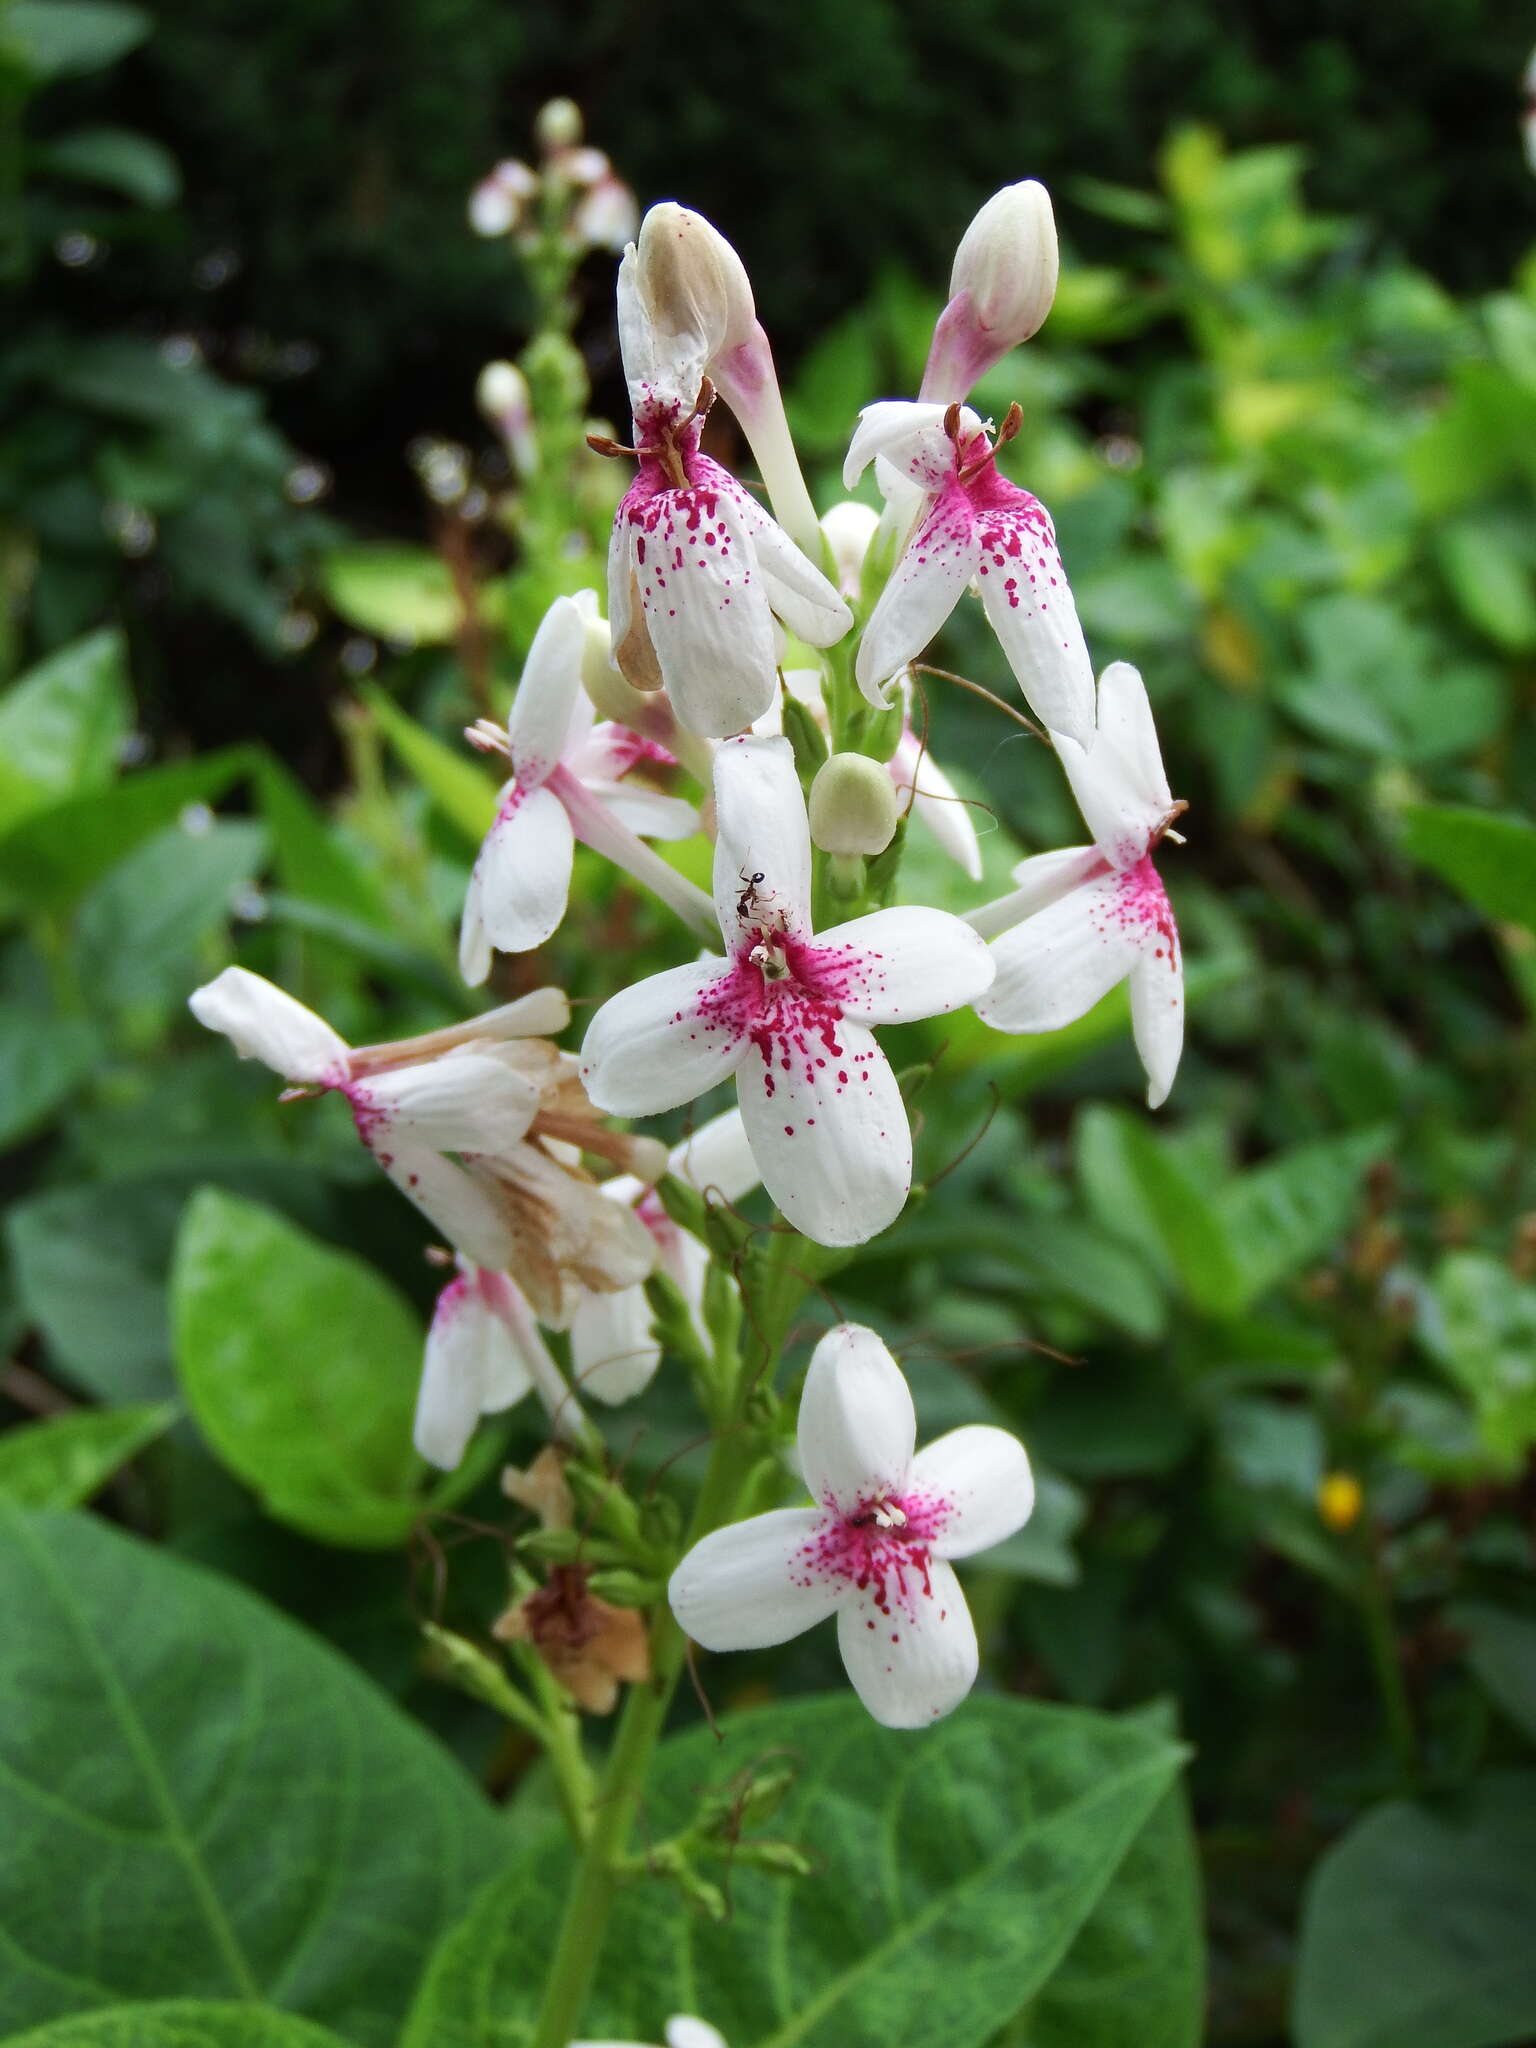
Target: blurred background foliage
1275,1350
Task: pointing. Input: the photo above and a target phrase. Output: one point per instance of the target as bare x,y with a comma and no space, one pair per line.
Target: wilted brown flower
587,1645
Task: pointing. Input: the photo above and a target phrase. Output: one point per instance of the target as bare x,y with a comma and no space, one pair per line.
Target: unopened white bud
502,394
557,125
852,805
692,281
606,217
849,528
498,202
1008,262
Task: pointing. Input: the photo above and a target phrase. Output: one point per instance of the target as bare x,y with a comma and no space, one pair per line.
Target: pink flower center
1140,905
884,1548
786,995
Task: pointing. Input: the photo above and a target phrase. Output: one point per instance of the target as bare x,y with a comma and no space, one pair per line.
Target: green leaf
300,1365
180,2023
1200,1250
139,931
63,724
43,1059
1501,1649
1485,1335
127,163
911,1928
61,1462
1284,1215
462,792
62,38
1491,860
1416,1930
311,860
251,1818
400,593
1488,567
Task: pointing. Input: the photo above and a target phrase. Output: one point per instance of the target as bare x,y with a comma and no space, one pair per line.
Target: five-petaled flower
789,1013
876,1549
971,524
696,568
1089,917
565,785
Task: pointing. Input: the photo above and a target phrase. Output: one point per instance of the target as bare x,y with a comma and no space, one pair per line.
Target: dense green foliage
1274,1351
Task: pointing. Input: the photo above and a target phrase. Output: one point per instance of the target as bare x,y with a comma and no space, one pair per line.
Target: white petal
1029,604
475,949
1043,879
549,695
911,437
761,831
1055,966
465,1101
614,1353
857,1427
800,595
647,811
1157,1019
472,1368
511,1306
716,1157
455,1205
744,1587
906,962
826,1124
923,590
662,1042
522,875
705,606
911,1666
937,802
542,1013
983,1474
263,1022
1119,782
686,2032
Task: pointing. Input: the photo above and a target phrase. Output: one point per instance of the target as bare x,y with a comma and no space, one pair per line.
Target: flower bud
1007,261
502,394
692,281
849,528
557,125
853,806
498,202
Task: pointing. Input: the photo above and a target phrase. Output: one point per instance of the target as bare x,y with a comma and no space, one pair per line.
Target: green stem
1381,1640
575,1786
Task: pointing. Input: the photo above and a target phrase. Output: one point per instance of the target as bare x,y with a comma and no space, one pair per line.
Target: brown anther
603,444
300,1094
1013,419
704,401
438,1255
952,420
1165,829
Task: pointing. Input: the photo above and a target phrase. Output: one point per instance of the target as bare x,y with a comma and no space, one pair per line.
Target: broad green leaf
464,794
199,1800
62,725
1501,1649
1193,1228
400,593
911,1928
139,930
1380,684
310,858
1284,1215
62,1461
1488,567
180,2023
60,38
1416,1930
1485,1335
300,1365
43,1059
1491,860
125,162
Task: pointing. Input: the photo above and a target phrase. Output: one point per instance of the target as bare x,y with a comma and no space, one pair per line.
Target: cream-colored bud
557,125
849,528
692,281
501,392
1008,260
853,805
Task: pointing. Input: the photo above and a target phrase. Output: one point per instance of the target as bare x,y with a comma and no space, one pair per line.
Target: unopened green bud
624,1588
722,1310
550,1546
804,735
473,1672
557,372
783,1859
557,125
853,805
605,1501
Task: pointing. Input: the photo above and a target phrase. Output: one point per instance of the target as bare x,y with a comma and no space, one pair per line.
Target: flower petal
1054,967
1157,1019
763,839
1043,879
661,1043
798,592
683,2031
521,880
646,811
911,1667
455,1205
1119,782
906,962
923,590
857,1426
264,1022
717,1158
826,1124
614,1352
465,1101
549,696
910,436
460,1341
743,1589
1029,604
937,802
511,1305
983,1475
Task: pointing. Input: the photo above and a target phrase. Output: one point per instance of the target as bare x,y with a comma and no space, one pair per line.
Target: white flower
876,1549
681,2030
565,784
413,1102
697,570
1087,918
789,1013
483,1353
972,524
614,1351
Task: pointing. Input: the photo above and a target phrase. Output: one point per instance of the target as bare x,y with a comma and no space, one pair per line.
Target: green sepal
805,736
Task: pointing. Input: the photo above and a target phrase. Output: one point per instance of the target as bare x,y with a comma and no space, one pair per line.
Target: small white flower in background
502,394
500,201
614,1352
876,1549
413,1102
483,1354
697,570
681,2031
972,524
1084,919
789,1013
1000,290
566,784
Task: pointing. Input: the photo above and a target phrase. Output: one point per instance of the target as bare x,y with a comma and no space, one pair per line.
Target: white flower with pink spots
483,1354
876,1550
1089,917
789,1012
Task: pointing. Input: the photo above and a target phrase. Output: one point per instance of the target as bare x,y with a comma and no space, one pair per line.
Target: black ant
747,900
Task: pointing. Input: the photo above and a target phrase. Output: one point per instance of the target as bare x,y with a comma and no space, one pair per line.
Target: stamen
487,737
603,444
